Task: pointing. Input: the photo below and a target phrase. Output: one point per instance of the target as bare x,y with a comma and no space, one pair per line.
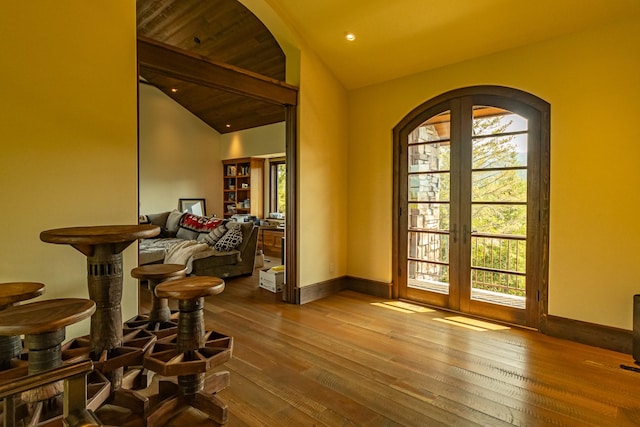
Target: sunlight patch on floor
462,325
403,307
473,324
478,323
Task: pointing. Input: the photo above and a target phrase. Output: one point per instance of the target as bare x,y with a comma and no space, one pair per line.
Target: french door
472,204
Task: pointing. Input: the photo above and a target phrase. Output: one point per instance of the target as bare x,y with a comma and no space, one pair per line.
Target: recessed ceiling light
174,90
350,36
228,125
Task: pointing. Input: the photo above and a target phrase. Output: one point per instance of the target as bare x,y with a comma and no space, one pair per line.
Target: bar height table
103,246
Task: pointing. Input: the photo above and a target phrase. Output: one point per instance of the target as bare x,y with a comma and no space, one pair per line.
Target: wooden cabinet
243,186
270,241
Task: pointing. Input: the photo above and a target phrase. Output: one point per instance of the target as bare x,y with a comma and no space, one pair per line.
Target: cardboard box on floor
272,279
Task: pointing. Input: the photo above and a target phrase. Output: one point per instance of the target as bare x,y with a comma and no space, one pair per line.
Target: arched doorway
471,204
180,34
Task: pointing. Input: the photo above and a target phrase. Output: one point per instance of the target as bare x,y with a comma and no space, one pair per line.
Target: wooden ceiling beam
183,65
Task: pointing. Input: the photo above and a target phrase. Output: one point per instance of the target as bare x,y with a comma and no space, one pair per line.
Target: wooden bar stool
11,346
43,325
158,321
190,354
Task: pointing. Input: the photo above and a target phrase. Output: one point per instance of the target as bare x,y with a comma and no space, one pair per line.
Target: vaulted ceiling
393,39
222,31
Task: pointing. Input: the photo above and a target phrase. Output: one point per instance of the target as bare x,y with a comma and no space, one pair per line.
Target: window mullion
465,125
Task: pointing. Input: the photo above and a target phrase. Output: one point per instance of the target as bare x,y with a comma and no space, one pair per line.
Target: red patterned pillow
199,224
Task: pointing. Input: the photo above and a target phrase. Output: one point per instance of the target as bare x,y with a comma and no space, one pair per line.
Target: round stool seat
13,292
43,325
190,288
158,271
159,319
10,294
44,316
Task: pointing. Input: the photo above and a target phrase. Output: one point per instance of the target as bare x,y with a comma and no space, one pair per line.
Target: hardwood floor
355,360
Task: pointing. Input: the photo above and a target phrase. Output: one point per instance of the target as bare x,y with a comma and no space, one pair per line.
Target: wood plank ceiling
222,31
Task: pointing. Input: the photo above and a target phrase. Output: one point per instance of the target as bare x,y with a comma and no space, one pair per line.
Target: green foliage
493,154
498,187
498,184
282,187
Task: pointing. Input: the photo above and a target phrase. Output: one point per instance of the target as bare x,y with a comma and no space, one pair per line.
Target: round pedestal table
103,246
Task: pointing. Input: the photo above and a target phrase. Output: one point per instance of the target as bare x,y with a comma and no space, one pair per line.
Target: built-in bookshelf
243,182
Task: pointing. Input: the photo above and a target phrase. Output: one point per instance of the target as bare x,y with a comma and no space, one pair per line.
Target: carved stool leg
190,338
159,319
191,335
104,278
44,354
160,312
157,322
191,357
10,348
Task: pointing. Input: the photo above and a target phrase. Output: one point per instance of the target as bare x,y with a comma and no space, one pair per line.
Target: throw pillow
229,241
215,235
173,221
233,225
186,234
159,219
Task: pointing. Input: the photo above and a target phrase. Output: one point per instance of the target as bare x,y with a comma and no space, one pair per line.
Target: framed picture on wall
192,206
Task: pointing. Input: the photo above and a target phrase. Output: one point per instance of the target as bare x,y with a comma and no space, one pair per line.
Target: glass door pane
498,207
429,186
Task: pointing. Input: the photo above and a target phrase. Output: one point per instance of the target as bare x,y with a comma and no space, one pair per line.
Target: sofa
207,246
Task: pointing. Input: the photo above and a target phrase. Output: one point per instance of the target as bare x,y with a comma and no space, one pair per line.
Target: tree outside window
278,188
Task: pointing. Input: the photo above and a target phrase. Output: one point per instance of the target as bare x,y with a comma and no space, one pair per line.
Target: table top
158,271
85,239
44,316
13,292
98,234
190,287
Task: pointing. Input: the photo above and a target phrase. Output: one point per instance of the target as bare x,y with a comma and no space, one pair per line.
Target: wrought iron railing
498,263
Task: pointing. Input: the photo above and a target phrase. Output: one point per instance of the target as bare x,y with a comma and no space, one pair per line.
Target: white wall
257,142
179,155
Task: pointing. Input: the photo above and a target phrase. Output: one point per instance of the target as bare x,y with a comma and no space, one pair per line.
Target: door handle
454,233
